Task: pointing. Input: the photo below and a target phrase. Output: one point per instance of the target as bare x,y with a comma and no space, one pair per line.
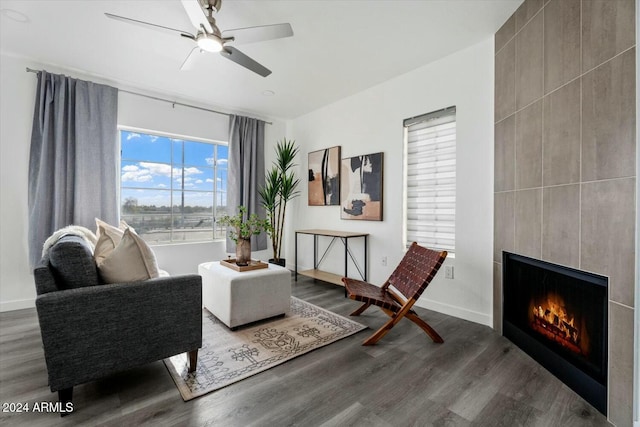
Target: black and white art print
324,177
361,187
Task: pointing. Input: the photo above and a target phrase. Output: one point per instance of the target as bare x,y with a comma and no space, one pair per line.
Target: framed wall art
361,187
324,177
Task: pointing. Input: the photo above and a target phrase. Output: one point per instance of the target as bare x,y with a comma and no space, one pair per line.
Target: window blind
430,190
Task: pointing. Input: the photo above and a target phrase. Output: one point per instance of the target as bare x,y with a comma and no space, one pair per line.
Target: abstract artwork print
361,187
324,177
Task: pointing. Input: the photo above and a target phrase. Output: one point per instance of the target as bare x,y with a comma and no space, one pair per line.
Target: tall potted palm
279,188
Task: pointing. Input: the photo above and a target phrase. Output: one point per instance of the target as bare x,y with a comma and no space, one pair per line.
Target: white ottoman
237,298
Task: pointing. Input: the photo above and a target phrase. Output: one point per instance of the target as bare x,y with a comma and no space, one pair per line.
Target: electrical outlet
384,261
448,271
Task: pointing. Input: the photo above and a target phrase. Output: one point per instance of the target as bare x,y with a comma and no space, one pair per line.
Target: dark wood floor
476,378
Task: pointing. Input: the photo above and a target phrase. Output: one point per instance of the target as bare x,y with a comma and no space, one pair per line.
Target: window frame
217,235
407,123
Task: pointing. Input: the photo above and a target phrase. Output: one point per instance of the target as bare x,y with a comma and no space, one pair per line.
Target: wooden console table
344,237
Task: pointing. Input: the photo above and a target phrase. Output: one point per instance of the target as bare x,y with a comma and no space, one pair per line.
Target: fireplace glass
558,315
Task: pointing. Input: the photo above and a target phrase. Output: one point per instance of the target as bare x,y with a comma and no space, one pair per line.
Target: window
430,180
172,188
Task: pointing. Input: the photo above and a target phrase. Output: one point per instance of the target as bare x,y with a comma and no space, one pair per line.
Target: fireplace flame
555,323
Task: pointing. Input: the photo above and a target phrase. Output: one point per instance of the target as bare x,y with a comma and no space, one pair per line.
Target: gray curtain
246,172
74,155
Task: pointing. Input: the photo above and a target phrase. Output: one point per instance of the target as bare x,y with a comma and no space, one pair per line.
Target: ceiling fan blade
240,58
259,34
196,14
150,25
191,59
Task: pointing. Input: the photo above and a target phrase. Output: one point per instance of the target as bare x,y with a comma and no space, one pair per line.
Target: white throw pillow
131,260
108,238
120,228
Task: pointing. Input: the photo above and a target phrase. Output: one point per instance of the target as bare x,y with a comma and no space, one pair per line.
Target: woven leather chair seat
372,294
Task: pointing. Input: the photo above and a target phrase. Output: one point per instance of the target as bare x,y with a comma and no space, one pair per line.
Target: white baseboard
16,305
451,310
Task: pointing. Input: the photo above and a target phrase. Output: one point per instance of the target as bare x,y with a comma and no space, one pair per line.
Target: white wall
371,121
17,289
636,383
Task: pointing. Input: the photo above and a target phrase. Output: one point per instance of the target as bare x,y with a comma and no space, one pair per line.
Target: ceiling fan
209,38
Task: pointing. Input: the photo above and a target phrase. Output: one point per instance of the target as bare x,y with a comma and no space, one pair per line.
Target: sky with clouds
154,165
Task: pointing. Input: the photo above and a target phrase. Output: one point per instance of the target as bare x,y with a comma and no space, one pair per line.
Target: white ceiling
339,47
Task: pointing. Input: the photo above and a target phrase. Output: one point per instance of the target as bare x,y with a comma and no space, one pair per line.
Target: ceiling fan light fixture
209,43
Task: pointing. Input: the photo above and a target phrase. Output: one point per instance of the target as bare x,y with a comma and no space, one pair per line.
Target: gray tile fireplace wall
565,153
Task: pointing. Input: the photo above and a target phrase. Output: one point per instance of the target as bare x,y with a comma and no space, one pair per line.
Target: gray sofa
90,330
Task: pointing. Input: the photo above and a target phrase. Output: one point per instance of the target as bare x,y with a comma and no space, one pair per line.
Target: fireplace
558,315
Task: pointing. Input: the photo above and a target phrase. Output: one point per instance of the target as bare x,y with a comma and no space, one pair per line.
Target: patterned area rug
229,356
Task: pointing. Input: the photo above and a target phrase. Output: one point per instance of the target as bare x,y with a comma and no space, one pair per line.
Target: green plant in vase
240,228
279,188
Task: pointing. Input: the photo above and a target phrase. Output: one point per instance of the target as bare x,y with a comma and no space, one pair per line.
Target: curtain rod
174,103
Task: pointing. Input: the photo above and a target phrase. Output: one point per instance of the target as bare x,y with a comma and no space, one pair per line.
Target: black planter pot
281,262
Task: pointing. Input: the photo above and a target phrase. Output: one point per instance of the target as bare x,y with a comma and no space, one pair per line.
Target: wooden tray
255,264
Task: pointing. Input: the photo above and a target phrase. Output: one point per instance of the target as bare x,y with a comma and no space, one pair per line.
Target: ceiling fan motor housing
212,5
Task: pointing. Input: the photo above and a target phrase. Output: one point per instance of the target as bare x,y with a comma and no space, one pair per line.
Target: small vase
243,252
